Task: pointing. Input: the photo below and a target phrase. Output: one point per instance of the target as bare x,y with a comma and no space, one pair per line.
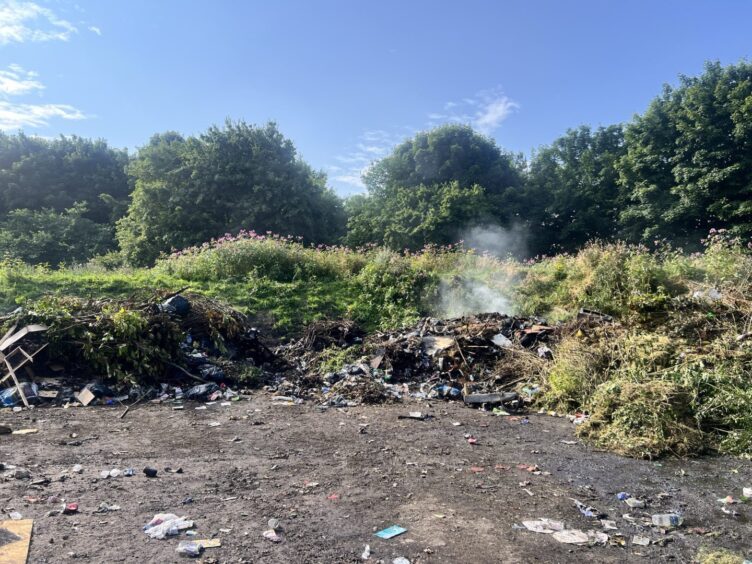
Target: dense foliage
572,194
688,165
188,190
680,168
59,198
432,187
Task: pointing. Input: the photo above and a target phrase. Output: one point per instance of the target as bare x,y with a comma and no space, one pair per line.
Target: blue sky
346,80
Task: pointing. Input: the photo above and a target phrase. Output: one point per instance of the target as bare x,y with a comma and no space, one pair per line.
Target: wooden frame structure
18,357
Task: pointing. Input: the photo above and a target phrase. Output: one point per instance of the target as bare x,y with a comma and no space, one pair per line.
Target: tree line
671,173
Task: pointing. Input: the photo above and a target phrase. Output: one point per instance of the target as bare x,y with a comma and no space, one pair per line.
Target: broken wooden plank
15,537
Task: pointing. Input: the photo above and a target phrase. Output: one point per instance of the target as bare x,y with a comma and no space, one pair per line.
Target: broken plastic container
667,520
10,396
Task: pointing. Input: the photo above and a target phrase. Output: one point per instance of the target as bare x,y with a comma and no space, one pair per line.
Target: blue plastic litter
390,532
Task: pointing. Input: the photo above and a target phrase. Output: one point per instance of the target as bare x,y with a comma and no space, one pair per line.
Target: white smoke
497,241
466,293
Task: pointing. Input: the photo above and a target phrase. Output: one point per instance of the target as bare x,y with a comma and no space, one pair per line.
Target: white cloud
26,21
372,145
485,111
95,29
17,116
351,179
492,113
16,80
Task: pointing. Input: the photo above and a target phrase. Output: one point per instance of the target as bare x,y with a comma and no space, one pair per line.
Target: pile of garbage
187,346
472,358
106,351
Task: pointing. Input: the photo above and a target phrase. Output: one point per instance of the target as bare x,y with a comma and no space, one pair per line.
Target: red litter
70,508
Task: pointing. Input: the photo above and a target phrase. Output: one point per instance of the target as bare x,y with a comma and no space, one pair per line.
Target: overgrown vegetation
671,375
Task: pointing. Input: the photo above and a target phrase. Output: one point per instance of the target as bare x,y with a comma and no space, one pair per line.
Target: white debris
546,526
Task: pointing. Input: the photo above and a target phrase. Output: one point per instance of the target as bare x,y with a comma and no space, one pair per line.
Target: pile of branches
142,342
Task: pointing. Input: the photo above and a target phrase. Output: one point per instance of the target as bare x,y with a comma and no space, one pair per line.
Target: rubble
470,358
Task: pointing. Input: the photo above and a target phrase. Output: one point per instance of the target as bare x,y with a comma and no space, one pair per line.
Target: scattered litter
667,520
400,560
25,431
77,469
597,537
635,503
586,510
747,492
623,496
150,472
501,341
15,540
209,543
70,508
85,397
414,415
543,525
105,507
189,548
607,524
571,536
366,553
490,399
272,535
166,525
640,541
391,532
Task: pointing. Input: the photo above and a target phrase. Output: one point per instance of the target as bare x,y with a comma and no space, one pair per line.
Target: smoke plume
474,291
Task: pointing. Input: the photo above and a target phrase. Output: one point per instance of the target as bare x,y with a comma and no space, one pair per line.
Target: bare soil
333,478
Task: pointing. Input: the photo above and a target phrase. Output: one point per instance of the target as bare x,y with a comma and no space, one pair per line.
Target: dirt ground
333,478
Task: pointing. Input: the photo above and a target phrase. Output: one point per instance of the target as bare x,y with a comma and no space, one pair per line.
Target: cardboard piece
85,397
18,536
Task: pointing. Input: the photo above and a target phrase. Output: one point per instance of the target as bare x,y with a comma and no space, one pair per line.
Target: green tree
688,165
572,193
38,174
189,190
59,198
433,186
51,237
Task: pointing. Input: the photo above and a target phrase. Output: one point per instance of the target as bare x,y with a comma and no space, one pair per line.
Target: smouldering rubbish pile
188,346
475,358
